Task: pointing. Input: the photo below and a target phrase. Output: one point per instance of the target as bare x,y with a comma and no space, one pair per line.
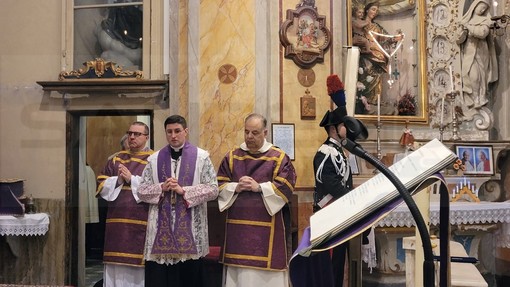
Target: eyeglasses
136,134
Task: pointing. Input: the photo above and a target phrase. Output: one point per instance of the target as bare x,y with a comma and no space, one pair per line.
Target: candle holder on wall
455,120
441,131
442,124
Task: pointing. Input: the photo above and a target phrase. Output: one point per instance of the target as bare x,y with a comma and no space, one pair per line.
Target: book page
377,191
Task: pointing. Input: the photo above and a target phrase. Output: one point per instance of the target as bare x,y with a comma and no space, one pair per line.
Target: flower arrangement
457,167
407,105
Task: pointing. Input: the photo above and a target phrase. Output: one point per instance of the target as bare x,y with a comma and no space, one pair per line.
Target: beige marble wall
227,36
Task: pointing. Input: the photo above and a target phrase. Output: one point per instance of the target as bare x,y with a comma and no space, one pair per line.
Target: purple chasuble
254,238
125,218
174,235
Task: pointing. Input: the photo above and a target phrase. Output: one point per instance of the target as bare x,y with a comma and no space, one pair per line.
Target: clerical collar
265,147
176,153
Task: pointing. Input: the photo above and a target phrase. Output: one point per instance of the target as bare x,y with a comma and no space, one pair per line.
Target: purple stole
174,236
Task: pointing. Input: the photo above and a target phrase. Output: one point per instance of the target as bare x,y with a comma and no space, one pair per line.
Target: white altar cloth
28,224
460,213
471,213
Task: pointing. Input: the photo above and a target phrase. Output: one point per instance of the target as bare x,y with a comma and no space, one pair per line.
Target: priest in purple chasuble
126,219
177,183
256,182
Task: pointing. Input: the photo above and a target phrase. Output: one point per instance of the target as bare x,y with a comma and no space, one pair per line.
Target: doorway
91,137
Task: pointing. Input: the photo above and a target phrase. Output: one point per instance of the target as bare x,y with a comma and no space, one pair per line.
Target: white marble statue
115,51
478,56
120,37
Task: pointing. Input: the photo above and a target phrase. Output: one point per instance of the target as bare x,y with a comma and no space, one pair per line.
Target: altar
16,228
483,212
477,226
24,225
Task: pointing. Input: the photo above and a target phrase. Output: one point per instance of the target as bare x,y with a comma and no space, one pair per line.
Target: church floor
379,280
93,272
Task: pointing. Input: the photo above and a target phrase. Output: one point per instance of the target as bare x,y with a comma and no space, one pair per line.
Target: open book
378,191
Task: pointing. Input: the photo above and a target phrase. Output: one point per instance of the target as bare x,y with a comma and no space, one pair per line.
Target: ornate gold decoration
99,68
227,74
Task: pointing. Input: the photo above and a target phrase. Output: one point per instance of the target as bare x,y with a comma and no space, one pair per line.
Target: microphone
353,147
356,130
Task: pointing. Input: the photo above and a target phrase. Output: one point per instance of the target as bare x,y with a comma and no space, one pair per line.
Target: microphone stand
428,263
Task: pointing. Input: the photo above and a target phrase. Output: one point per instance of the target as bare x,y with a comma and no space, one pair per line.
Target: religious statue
359,22
478,55
120,36
373,41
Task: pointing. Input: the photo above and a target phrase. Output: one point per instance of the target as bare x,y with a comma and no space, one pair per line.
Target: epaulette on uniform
328,150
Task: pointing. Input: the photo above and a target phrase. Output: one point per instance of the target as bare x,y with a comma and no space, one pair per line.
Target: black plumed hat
333,118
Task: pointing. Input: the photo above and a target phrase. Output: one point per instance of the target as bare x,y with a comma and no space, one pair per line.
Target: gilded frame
406,100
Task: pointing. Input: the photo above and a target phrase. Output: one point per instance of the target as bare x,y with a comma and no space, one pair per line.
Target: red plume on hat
355,128
336,90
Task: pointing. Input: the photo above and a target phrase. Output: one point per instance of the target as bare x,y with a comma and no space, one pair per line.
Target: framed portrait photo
477,159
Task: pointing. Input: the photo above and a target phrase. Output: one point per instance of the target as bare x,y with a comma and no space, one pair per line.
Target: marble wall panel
227,36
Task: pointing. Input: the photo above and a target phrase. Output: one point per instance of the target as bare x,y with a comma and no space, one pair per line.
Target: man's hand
171,184
124,174
247,183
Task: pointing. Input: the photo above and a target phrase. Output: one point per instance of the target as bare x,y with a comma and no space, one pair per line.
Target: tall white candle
351,78
495,7
451,79
378,108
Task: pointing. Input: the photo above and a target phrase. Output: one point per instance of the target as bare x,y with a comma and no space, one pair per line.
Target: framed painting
476,159
391,84
304,35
